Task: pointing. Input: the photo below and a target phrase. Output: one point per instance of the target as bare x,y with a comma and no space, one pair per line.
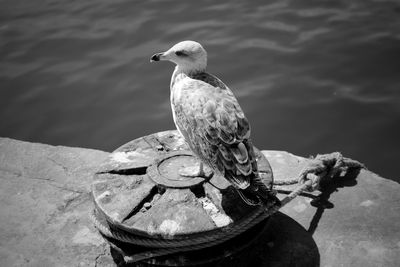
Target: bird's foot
196,171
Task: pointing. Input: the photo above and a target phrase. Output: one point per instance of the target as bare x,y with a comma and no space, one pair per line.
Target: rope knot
326,166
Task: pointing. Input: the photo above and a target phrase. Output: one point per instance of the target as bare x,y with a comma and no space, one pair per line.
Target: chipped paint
169,227
126,157
120,157
218,218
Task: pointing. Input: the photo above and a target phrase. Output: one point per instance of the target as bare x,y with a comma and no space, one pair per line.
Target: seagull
208,116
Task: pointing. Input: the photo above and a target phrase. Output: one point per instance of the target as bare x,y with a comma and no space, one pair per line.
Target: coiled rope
326,166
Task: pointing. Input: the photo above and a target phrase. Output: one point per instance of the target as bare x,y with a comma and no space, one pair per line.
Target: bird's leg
197,170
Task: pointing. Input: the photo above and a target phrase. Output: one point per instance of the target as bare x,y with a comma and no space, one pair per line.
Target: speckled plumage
208,115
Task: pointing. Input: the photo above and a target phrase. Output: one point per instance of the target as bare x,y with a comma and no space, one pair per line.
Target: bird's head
189,56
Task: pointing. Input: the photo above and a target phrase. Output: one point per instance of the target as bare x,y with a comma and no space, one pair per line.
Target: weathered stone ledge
45,201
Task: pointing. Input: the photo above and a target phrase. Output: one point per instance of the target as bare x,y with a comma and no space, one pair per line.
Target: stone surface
45,201
354,222
44,205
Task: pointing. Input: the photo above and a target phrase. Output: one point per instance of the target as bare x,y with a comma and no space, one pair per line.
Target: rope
163,251
122,236
286,182
224,234
324,166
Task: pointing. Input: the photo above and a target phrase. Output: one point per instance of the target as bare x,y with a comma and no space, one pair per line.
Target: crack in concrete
38,178
67,188
50,181
12,172
103,253
142,170
21,175
65,169
73,201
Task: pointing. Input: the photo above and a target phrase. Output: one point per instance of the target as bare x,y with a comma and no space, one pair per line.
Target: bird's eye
180,53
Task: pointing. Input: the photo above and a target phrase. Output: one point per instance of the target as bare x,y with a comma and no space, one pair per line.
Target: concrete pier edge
45,201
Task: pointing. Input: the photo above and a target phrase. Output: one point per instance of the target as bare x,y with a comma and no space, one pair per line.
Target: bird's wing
217,130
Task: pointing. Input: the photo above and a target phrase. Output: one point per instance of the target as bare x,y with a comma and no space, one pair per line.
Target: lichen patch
220,219
169,227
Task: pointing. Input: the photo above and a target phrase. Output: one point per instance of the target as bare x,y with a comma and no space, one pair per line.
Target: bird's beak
157,57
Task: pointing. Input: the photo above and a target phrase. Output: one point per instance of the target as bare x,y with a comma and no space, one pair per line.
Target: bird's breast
176,98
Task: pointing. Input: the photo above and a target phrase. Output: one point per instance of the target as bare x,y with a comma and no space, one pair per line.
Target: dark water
312,76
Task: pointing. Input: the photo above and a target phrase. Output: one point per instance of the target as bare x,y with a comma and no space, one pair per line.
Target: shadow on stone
329,186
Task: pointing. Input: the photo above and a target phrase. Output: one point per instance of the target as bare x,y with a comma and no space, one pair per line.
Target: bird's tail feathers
249,198
258,194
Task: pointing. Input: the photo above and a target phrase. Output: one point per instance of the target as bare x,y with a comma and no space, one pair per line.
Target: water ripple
78,72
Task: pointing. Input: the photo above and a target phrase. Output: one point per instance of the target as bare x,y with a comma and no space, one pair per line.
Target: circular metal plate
165,171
